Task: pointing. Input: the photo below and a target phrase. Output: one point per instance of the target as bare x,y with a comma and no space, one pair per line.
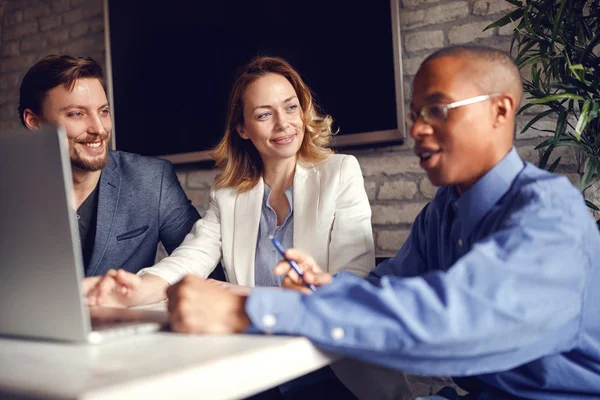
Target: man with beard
125,203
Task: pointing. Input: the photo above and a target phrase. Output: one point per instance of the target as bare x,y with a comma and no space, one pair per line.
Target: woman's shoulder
339,167
223,193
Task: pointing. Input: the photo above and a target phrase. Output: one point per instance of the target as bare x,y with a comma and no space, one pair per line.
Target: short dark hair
482,52
50,72
498,71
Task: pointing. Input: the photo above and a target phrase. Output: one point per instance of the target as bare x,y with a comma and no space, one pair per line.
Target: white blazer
332,222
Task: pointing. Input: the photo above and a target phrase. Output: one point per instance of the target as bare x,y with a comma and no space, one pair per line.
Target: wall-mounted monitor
172,64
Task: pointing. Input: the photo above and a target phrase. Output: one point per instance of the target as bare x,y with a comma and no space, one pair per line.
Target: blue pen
292,263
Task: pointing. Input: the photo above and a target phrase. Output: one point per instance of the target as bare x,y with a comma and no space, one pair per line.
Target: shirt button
337,333
460,242
269,321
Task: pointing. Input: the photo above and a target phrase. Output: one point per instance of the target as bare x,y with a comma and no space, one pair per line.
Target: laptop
41,267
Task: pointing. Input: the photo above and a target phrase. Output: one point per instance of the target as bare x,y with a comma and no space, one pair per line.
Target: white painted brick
389,164
82,46
426,188
202,178
418,3
9,49
40,10
468,32
19,31
411,65
95,8
10,81
17,63
567,154
424,40
574,177
397,190
371,189
407,87
546,123
199,199
50,22
73,16
59,6
182,178
434,15
391,240
89,26
506,30
535,109
34,43
13,18
488,7
396,214
528,153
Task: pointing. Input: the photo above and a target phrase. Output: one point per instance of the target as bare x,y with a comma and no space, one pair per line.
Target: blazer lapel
307,188
108,198
246,220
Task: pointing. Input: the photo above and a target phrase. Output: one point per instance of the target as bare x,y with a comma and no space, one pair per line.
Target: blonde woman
278,178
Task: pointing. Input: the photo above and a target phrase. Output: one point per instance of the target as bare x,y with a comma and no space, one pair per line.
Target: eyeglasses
437,113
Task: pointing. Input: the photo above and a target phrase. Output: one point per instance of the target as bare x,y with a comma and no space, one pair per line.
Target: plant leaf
556,97
512,16
554,165
545,143
560,124
544,158
590,48
579,71
583,119
557,20
592,206
588,173
536,119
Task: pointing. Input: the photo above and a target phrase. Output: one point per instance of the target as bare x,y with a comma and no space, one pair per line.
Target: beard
85,162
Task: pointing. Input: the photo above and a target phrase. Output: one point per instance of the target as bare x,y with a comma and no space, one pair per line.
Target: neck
493,160
84,183
279,175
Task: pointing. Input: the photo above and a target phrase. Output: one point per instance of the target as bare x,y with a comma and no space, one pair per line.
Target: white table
162,365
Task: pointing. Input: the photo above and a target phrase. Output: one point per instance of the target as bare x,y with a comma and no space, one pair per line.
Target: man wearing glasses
498,281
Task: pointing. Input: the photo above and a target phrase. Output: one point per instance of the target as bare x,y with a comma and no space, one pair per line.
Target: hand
116,288
198,306
237,289
312,272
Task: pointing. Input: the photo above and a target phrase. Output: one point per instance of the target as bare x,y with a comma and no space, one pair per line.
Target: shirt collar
289,193
475,203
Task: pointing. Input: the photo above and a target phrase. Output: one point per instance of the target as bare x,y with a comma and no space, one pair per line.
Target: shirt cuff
274,310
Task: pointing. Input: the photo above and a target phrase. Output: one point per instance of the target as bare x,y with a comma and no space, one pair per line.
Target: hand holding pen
311,275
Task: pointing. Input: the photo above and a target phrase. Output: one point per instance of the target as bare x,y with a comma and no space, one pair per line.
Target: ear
240,130
504,110
32,121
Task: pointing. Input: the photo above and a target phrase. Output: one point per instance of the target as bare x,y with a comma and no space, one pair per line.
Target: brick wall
396,186
31,29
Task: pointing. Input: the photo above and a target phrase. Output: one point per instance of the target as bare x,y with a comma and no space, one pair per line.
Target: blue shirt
500,285
267,257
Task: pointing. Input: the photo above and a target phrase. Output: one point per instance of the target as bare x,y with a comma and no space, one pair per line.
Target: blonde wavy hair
237,157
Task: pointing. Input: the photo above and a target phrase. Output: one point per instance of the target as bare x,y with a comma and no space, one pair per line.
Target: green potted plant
557,44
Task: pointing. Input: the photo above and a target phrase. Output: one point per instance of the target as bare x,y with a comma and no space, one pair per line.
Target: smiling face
272,118
85,115
461,149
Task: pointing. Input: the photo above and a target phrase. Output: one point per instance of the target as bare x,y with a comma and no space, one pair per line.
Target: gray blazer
140,204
